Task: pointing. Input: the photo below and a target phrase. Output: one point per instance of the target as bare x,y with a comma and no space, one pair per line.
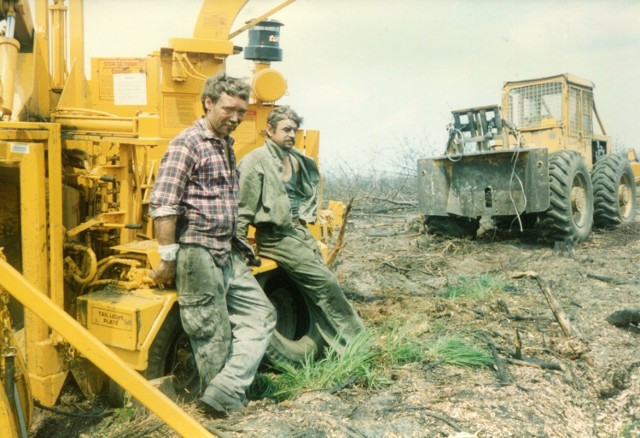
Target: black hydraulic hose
21,420
105,413
9,381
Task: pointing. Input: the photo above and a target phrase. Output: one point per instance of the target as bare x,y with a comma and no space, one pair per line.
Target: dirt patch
390,269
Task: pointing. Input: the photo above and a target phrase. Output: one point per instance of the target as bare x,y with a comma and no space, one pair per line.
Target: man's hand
165,273
247,252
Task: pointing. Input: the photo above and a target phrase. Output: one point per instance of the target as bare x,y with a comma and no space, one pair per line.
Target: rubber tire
452,226
170,353
570,214
298,327
614,192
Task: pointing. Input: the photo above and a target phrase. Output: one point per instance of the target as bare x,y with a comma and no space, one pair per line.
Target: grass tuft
474,288
395,347
367,361
455,351
353,367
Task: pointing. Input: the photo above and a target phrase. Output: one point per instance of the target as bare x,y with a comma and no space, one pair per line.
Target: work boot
218,404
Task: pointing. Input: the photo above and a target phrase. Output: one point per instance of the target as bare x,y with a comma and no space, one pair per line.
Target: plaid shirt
195,184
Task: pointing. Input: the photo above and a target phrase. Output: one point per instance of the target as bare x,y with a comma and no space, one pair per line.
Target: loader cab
557,113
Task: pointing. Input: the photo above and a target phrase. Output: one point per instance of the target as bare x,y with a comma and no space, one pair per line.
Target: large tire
570,214
298,328
614,192
452,226
170,354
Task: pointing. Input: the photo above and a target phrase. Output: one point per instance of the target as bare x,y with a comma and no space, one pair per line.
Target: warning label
111,318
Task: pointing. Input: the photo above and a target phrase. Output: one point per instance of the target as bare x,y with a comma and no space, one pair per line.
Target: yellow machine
535,159
77,161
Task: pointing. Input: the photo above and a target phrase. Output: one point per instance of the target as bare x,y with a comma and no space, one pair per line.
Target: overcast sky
372,74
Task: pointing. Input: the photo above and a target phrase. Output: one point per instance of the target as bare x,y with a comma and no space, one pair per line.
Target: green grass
394,346
630,429
456,351
475,288
353,367
368,361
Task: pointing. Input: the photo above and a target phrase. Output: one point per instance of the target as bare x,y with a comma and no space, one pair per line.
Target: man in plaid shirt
194,204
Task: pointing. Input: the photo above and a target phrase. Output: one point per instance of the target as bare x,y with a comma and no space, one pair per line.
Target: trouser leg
298,255
253,319
203,309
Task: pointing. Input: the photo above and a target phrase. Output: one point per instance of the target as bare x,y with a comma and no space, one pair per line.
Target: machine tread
298,335
614,192
563,221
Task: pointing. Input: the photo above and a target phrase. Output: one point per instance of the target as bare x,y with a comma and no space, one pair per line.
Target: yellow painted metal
41,221
215,19
76,37
8,62
201,46
8,425
118,319
127,322
632,156
556,135
58,55
267,84
99,354
16,407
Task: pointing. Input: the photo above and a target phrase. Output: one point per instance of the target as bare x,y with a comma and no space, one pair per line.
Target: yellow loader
536,160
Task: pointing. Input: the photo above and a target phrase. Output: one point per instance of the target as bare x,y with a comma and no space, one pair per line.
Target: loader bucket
493,183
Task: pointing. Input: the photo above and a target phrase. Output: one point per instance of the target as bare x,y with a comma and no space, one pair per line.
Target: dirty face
224,116
284,134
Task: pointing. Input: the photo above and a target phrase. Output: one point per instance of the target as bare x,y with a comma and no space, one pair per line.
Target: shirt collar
275,150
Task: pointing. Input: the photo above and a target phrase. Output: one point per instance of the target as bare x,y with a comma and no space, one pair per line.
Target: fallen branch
561,317
517,358
535,363
339,242
404,270
611,280
392,201
567,328
517,316
501,370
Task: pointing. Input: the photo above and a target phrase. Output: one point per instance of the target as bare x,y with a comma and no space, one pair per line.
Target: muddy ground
391,269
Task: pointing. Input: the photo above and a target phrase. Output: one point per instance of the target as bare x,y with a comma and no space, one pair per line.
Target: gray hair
220,83
283,113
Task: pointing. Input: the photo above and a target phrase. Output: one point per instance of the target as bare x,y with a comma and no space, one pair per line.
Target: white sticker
19,148
130,89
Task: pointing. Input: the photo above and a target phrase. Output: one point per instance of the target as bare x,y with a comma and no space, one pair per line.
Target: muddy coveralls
225,313
264,203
